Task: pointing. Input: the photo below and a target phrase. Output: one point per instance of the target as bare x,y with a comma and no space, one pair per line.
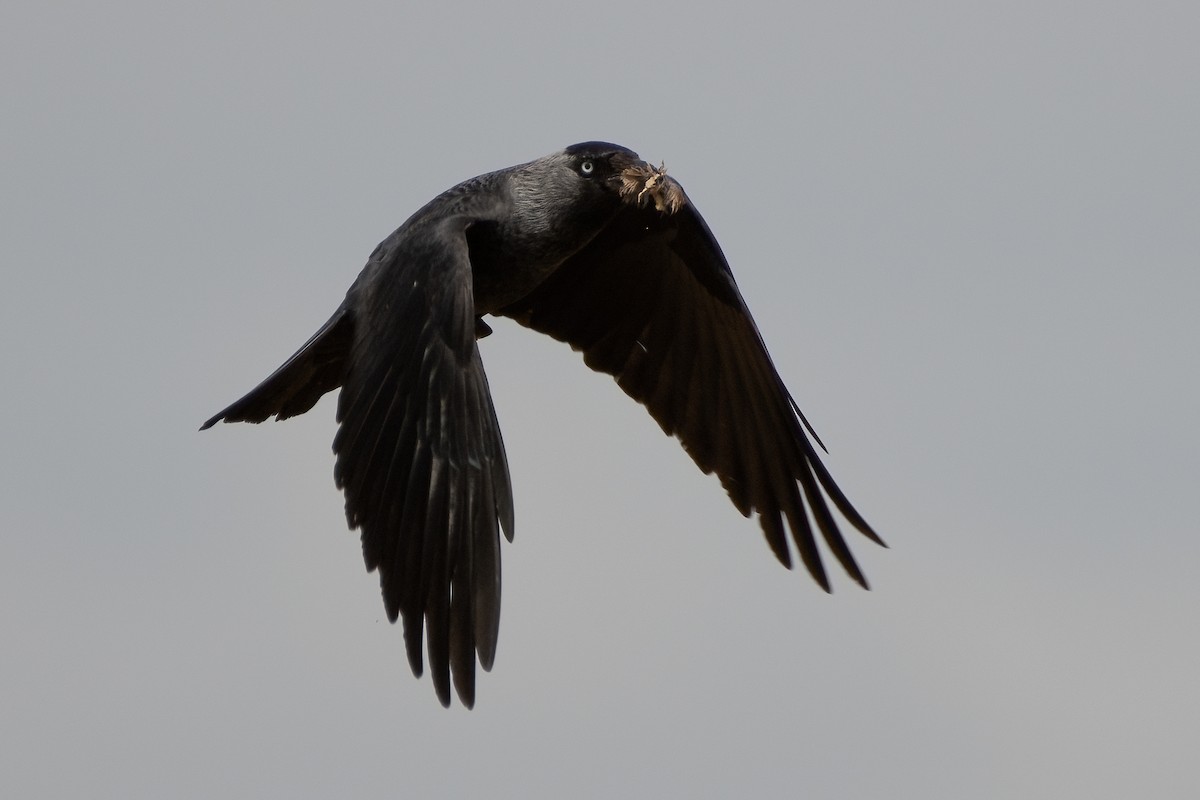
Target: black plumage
596,248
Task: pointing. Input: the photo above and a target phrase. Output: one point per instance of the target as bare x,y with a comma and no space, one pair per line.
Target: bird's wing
313,370
652,301
419,452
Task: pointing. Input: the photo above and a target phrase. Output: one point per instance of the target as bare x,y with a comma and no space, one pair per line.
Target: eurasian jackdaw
598,249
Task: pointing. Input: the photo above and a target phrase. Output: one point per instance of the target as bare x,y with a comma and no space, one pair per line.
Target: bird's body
590,245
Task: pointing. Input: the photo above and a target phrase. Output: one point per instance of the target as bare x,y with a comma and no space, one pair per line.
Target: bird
596,248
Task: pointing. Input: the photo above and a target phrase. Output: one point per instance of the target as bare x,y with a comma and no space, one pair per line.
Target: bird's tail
316,368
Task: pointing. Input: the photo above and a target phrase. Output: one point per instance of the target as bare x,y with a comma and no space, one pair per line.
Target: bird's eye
587,167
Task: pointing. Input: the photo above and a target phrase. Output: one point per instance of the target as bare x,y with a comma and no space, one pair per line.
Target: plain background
969,232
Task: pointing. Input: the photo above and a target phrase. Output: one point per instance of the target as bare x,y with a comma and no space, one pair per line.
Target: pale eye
587,167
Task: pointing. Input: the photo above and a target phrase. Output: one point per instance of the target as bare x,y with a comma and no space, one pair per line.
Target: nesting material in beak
644,182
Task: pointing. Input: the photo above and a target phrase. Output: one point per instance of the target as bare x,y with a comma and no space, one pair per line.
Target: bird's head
612,168
562,200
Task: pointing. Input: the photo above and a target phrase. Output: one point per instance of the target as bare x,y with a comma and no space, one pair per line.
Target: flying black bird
598,249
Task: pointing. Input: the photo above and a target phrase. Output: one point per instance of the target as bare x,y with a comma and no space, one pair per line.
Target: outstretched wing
313,370
419,452
652,301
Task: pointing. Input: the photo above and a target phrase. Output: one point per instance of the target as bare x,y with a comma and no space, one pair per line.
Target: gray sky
969,234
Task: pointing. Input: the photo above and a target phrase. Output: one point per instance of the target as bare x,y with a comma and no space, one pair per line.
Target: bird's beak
641,183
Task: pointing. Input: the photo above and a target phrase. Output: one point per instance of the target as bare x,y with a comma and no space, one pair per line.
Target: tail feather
316,368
